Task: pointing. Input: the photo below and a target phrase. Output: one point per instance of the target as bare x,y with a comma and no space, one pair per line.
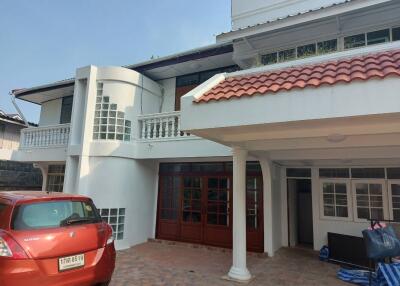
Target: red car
53,239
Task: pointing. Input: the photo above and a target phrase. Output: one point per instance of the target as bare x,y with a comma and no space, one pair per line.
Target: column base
239,274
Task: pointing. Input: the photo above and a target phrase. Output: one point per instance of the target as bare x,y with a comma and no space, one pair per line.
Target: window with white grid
116,218
109,123
55,178
369,200
335,199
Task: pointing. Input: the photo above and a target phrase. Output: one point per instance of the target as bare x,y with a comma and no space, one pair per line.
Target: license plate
71,262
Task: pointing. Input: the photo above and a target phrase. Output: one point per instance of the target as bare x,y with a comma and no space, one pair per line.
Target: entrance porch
181,264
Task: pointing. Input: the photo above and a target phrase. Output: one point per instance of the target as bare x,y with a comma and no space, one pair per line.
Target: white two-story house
284,130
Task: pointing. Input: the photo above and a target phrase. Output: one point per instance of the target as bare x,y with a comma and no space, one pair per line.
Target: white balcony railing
161,126
43,137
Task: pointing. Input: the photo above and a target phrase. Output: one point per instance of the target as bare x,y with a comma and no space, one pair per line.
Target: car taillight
10,248
110,236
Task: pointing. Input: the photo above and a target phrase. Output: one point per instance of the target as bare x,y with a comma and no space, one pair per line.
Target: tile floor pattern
155,263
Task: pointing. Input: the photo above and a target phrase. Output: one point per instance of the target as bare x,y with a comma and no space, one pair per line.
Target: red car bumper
99,267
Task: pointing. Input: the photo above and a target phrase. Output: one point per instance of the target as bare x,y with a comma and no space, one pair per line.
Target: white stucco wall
129,184
50,112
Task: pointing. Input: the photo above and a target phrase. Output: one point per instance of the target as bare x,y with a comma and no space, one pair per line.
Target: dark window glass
306,51
186,80
393,173
354,41
334,172
54,214
253,167
208,167
372,173
200,77
396,34
378,37
287,55
269,59
326,47
298,172
66,110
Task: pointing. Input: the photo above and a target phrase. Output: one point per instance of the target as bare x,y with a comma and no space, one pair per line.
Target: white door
370,200
394,199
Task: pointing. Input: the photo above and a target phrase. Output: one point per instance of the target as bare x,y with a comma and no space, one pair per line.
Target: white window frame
384,197
349,199
390,199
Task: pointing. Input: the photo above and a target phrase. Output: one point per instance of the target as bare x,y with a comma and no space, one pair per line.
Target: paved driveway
155,263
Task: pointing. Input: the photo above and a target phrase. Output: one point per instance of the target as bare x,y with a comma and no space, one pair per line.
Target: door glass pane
218,201
169,197
191,205
253,202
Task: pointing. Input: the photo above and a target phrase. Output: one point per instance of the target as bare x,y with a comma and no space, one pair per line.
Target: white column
239,269
44,169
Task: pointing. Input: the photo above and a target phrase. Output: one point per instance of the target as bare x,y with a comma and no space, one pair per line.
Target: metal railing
47,136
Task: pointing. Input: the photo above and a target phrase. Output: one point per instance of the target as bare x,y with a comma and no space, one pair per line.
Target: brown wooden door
192,214
197,208
218,210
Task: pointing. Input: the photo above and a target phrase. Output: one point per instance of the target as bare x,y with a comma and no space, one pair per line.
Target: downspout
18,109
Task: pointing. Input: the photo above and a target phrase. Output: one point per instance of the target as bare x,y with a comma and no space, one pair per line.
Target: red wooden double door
197,208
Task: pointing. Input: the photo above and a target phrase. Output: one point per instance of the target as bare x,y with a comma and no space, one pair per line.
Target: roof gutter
18,109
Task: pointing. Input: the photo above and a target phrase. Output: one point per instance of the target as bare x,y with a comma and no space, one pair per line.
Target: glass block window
335,199
116,218
369,200
55,178
109,123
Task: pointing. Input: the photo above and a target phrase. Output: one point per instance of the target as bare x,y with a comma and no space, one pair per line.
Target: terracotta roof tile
375,65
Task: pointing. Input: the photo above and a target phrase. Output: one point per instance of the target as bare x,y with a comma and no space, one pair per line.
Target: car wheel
104,283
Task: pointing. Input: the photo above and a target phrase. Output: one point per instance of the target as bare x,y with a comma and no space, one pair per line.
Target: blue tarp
386,275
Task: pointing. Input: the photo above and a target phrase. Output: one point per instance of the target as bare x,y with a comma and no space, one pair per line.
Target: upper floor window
396,34
308,50
66,109
186,83
329,46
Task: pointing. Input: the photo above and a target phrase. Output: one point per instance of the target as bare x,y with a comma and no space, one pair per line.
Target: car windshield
54,214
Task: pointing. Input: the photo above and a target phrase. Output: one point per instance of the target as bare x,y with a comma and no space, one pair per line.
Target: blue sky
43,41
